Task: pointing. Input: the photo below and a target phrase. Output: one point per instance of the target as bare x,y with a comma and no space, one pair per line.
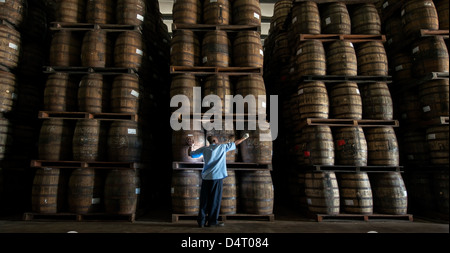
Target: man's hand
190,141
246,135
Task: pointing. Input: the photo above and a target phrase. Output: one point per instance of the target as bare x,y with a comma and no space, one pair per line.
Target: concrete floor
288,229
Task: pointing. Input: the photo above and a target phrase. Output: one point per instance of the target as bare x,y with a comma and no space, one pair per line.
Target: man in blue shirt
214,171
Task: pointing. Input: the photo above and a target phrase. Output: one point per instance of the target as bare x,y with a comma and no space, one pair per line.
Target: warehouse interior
356,94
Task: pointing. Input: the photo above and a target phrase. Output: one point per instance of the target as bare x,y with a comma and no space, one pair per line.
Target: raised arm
245,137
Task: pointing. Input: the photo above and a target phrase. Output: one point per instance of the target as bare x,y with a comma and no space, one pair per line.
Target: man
214,171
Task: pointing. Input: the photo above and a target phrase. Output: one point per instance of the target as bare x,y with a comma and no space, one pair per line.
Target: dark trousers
210,198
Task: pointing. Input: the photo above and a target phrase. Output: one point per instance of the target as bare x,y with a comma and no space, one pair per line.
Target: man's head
213,139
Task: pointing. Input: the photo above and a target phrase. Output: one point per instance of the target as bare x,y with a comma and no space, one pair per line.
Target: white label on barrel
399,67
351,44
357,91
205,59
150,58
213,1
263,104
428,4
349,202
405,193
410,157
190,135
138,191
328,21
275,23
13,96
415,50
309,201
426,108
294,20
431,137
291,70
390,41
300,92
13,46
299,51
139,52
403,13
131,131
256,15
140,17
134,93
172,190
261,52
386,4
95,201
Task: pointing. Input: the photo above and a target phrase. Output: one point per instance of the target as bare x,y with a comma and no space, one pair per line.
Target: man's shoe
220,224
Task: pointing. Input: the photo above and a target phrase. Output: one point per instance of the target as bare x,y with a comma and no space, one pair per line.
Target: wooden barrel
12,11
10,46
81,191
246,12
129,50
55,140
86,140
228,204
341,59
345,101
394,32
70,11
377,101
46,194
35,25
219,85
131,12
437,140
60,93
440,183
443,13
124,142
430,54
258,148
216,12
316,145
256,192
434,99
96,50
382,146
125,94
372,59
248,49
355,193
93,94
365,19
420,191
252,85
282,52
185,191
281,11
409,108
100,11
184,84
389,193
185,48
180,146
8,91
350,146
312,100
418,14
65,49
415,147
225,135
401,67
322,192
310,58
187,12
335,18
32,60
305,18
120,191
6,138
296,181
216,49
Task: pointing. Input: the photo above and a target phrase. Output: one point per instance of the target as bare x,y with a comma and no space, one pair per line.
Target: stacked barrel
22,53
417,45
220,35
316,84
111,69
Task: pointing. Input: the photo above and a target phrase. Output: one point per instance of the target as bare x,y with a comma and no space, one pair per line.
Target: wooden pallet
365,217
87,115
341,78
403,86
343,1
56,26
348,122
230,166
31,216
211,27
428,33
349,168
80,164
230,71
89,70
353,38
224,217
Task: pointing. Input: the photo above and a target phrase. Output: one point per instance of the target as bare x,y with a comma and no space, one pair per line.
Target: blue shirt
215,158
